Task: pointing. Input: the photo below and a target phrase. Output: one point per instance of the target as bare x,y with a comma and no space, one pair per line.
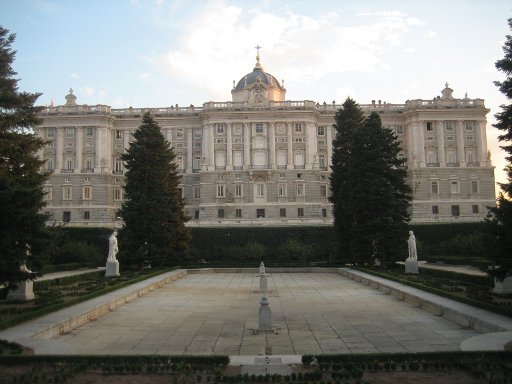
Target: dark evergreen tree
379,195
23,234
154,221
347,119
500,217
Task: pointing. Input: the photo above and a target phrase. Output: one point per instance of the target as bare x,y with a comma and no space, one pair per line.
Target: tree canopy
154,220
500,219
23,234
369,190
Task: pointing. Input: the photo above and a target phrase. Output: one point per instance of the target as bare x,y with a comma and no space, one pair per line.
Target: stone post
265,316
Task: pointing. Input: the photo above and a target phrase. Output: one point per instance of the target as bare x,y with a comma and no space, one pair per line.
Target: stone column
272,145
311,146
329,146
229,147
190,133
460,144
411,145
290,146
59,148
420,137
208,147
97,155
440,144
247,146
481,143
79,139
265,316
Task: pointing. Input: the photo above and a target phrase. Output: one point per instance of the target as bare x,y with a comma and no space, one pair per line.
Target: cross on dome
258,65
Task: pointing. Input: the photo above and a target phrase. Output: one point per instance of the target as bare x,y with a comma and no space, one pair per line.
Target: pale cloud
144,76
88,91
74,75
431,34
220,40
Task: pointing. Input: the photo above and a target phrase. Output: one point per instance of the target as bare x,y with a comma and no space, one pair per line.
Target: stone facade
260,159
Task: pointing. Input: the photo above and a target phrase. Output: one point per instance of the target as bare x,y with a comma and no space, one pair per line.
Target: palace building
261,159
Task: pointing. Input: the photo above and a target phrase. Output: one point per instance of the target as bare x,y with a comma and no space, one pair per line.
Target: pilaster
79,139
440,144
290,145
247,146
229,147
59,143
272,145
460,144
190,133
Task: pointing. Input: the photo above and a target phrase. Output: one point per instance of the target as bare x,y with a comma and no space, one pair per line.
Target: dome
251,78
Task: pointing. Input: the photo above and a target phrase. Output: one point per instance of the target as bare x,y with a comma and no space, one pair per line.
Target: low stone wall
463,319
100,310
267,270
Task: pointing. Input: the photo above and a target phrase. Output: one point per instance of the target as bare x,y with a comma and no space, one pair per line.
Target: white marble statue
411,243
112,247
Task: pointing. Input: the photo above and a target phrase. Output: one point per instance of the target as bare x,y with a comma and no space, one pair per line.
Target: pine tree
23,234
347,119
500,217
154,221
378,194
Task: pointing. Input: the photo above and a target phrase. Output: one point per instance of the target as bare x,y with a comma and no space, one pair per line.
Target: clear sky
158,53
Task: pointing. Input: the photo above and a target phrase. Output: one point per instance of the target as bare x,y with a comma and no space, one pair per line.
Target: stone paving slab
216,313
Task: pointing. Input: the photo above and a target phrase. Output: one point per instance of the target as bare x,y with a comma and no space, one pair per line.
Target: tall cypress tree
378,194
23,234
348,118
500,218
154,221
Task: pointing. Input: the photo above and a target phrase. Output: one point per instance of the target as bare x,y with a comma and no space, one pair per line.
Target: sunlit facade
262,160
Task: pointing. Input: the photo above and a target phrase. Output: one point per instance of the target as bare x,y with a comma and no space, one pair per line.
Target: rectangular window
434,187
259,128
87,193
118,194
69,165
449,138
179,163
321,162
197,192
260,213
49,165
323,191
89,164
435,210
220,213
320,131
89,131
474,186
66,216
87,215
475,209
300,212
197,133
196,214
324,212
455,211
48,196
430,126
219,129
119,134
282,189
298,128
70,133
300,190
399,129
220,190
179,133
454,187
449,126
67,193
260,190
469,126
282,212
50,134
197,163
238,213
118,165
239,190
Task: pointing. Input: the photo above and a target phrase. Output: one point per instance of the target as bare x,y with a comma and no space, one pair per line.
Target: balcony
67,171
87,170
432,165
220,167
238,167
452,164
260,166
473,164
296,166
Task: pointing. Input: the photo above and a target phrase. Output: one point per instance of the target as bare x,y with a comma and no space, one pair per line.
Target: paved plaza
216,313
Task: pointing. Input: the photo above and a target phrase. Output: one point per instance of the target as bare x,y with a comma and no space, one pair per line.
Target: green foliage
500,217
23,234
369,189
293,249
154,220
79,251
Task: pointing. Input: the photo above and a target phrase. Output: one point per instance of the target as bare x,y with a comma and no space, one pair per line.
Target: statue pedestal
24,292
411,266
265,316
112,268
504,286
263,283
